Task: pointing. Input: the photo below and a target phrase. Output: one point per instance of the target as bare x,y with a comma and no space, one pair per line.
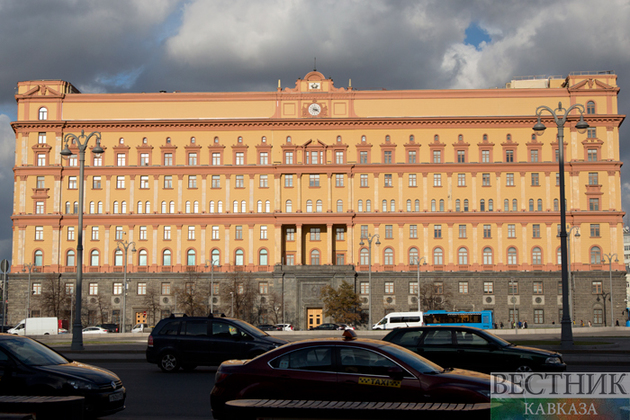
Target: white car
95,330
285,327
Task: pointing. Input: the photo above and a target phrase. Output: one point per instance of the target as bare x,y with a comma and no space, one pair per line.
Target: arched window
458,206
212,207
164,209
318,206
531,204
441,204
590,107
68,207
140,207
360,206
92,207
433,205
288,206
235,207
559,256
118,258
438,256
596,255
364,257
263,257
123,207
166,257
196,207
490,205
220,206
267,206
482,205
392,205
314,257
239,257
368,206
94,258
539,204
187,207
511,256
171,207
408,205
487,256
389,256
43,113
309,206
384,206
413,256
506,205
466,204
243,206
115,207
462,256
191,257
555,204
76,207
536,256
215,257
339,206
147,207
416,206
143,258
515,205
70,262
259,206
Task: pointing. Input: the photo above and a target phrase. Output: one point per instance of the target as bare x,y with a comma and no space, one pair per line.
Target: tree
342,305
54,300
152,302
192,298
239,295
433,300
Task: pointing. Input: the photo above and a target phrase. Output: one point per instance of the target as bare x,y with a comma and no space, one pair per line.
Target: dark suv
188,342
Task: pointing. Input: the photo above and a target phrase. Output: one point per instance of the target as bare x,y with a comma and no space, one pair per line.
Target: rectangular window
121,159
166,289
192,159
593,178
509,155
168,181
461,156
93,289
216,159
461,180
539,316
70,233
315,234
411,156
339,158
192,181
263,288
463,287
511,231
120,182
363,157
339,180
595,230
41,183
39,233
39,207
215,233
238,232
364,288
41,159
389,231
144,182
95,233
485,156
592,155
509,180
387,157
364,180
263,232
413,231
96,182
118,236
462,231
288,181
413,180
364,231
413,287
437,231
487,231
239,181
290,234
191,233
313,180
389,287
264,158
591,132
144,159
533,155
538,288
596,287
488,287
143,233
485,180
437,156
167,233
438,287
288,158
216,181
593,204
240,158
263,181
340,234
117,289
388,181
437,180
535,231
72,182
98,160
142,288
41,138
72,161
535,180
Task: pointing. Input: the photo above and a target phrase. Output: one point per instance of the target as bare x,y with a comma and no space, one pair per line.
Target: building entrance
314,317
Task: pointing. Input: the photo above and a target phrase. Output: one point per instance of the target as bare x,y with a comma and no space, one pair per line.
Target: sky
240,45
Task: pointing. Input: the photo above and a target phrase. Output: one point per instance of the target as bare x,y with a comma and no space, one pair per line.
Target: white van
36,326
399,320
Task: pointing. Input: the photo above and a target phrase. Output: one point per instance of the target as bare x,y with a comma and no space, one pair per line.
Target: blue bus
479,319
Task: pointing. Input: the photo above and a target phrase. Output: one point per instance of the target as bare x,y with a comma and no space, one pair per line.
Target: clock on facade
314,109
314,85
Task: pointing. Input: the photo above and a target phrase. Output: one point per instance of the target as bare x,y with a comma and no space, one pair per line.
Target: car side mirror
395,373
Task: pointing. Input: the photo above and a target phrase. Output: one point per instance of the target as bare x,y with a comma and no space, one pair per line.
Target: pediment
591,84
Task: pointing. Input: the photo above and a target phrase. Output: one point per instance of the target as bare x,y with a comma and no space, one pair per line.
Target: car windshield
32,353
498,340
417,362
250,329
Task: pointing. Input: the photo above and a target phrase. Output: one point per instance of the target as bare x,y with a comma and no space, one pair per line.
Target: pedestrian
520,324
525,324
501,325
582,322
589,324
617,323
553,322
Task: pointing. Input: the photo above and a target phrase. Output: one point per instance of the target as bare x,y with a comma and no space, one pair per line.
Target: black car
327,327
112,328
28,367
188,342
474,349
268,327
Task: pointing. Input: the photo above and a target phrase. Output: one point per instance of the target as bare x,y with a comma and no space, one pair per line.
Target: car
285,327
139,328
327,327
344,368
475,349
268,327
188,342
346,327
112,328
95,330
28,367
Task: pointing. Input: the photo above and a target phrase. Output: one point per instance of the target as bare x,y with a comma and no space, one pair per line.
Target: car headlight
79,384
554,360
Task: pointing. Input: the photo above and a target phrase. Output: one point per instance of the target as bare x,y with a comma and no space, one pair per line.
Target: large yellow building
281,187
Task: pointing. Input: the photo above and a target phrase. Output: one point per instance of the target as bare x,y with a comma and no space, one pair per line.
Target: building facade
284,189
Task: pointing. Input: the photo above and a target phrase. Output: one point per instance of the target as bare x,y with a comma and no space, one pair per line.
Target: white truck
36,326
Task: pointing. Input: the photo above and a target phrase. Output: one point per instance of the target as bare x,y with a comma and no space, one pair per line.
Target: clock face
314,85
314,109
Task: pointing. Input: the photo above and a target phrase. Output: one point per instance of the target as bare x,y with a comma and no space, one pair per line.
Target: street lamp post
566,337
570,275
418,260
370,238
29,291
81,142
125,246
610,261
212,264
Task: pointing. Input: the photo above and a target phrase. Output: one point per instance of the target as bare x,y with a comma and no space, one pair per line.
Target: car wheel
189,368
169,362
524,369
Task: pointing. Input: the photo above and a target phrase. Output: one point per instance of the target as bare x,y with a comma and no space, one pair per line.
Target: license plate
117,396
